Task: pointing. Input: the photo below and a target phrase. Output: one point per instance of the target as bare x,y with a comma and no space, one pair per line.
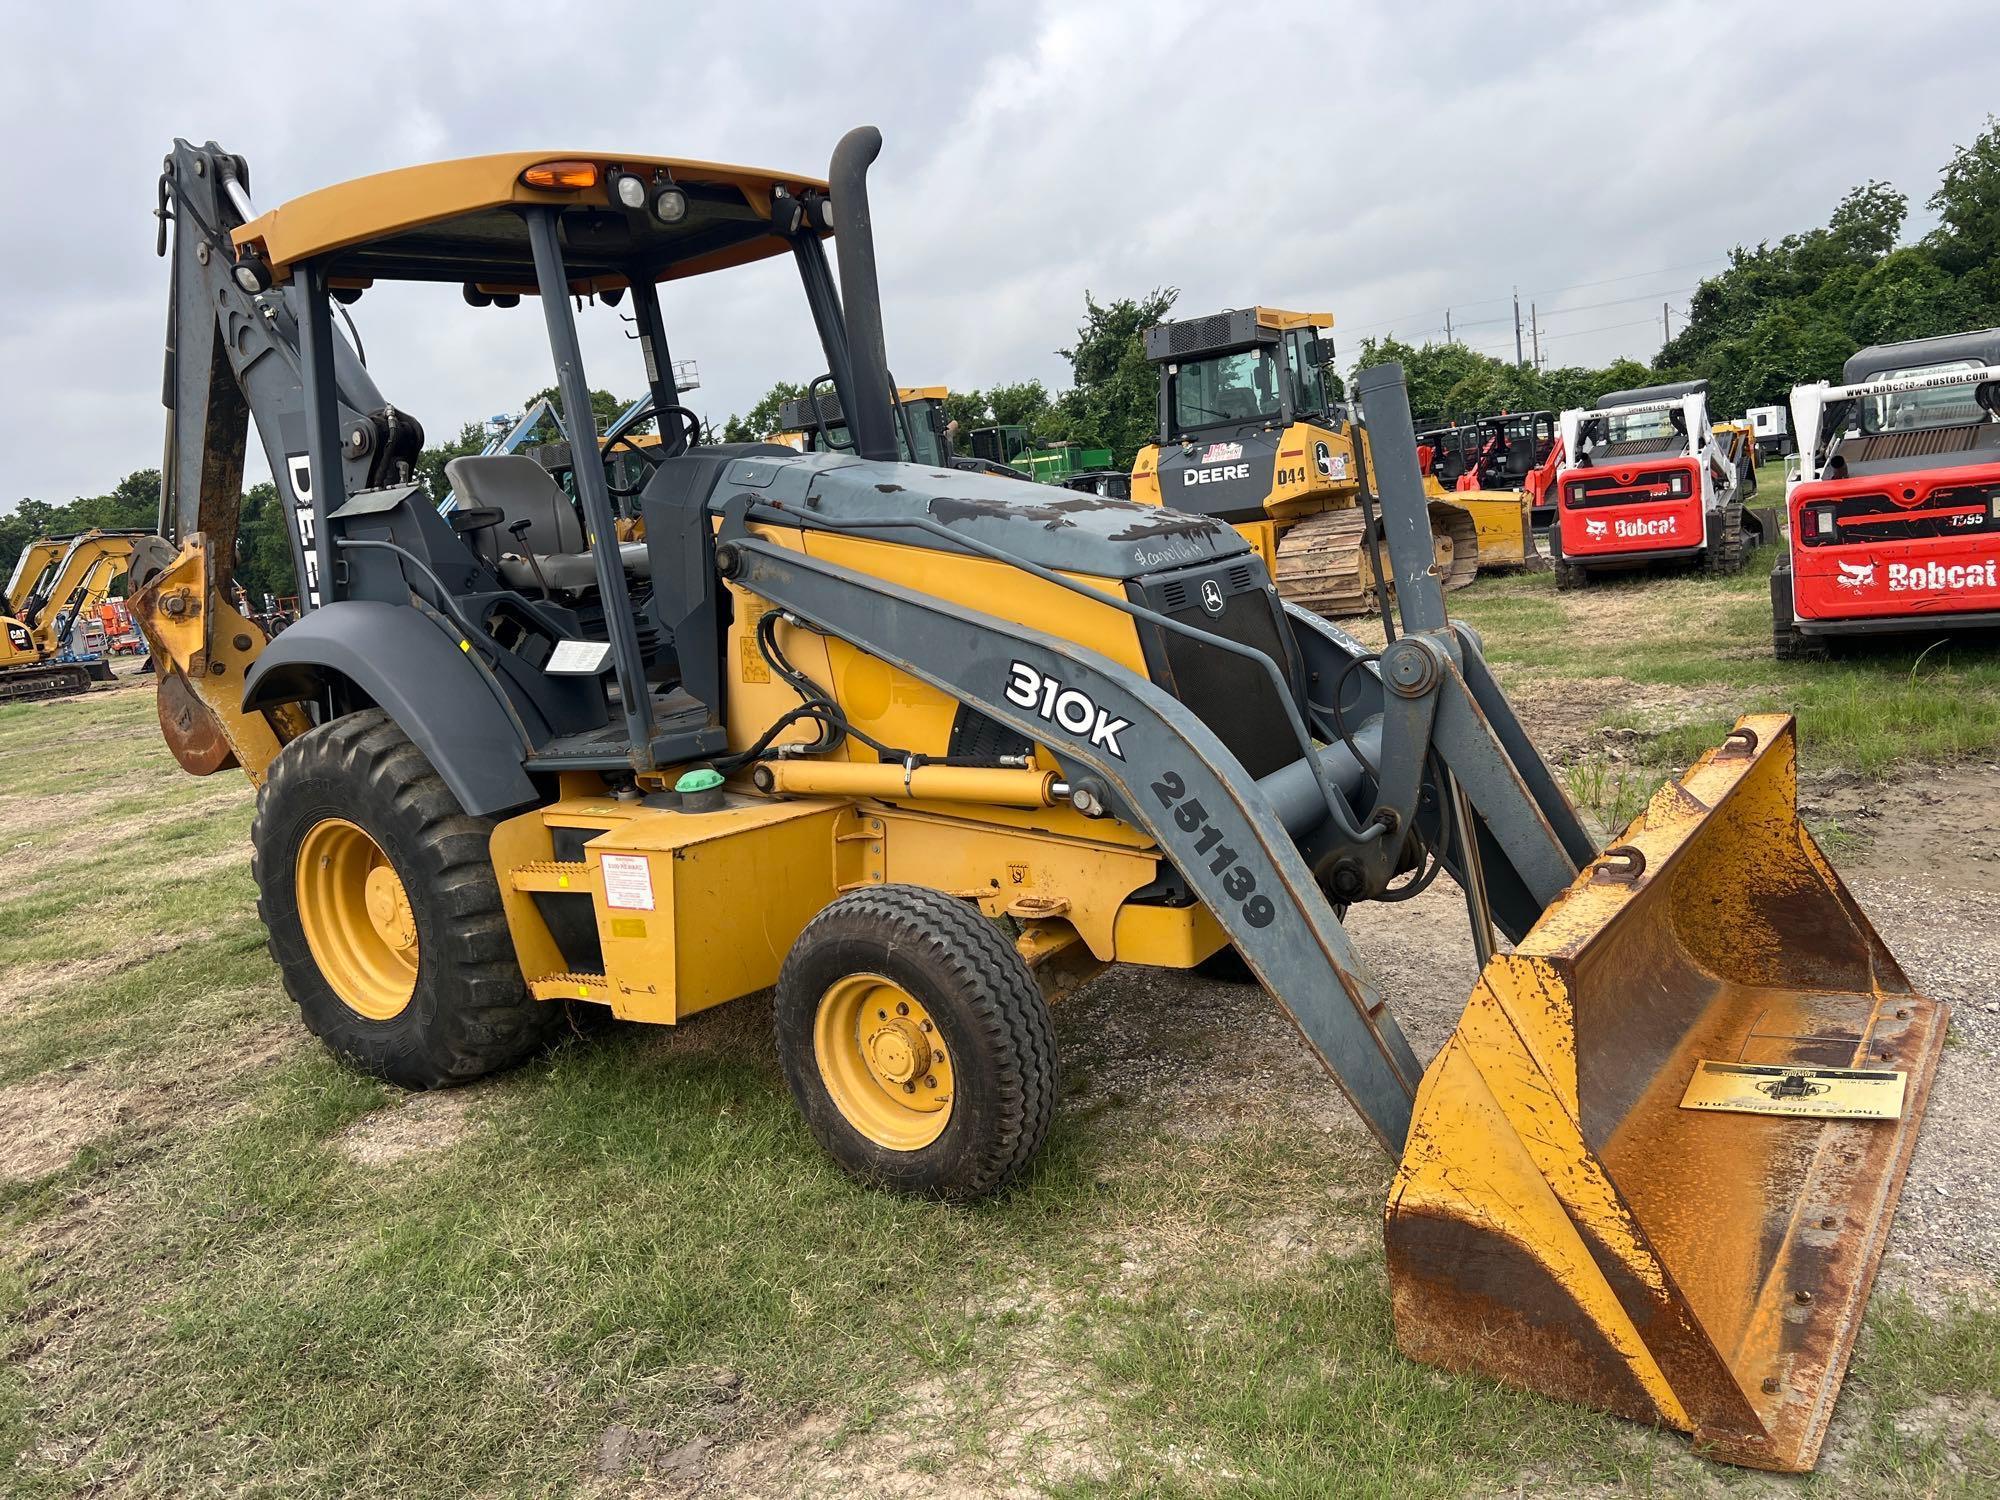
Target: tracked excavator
833,716
56,582
1250,435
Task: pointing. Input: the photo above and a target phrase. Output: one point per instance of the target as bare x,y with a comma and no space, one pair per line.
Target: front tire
384,912
917,1043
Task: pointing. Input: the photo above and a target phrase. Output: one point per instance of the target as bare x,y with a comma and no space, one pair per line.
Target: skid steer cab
919,749
1895,518
1643,478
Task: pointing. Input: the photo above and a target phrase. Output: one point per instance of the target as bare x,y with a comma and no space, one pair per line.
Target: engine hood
1038,523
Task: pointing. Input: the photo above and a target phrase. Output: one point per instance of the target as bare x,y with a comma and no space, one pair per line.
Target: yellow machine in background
1250,435
814,424
56,583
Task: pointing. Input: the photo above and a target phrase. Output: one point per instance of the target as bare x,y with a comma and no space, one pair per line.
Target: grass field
230,1265
1678,658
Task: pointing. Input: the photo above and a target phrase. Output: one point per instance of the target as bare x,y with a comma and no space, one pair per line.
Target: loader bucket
1560,1221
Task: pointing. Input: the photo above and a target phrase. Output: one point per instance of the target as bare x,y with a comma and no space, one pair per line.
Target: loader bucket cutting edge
1559,1221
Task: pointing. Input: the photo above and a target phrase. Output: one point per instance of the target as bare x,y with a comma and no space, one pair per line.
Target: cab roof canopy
1640,395
1226,331
1878,359
461,221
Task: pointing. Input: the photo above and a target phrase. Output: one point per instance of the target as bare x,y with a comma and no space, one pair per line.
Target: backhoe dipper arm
234,352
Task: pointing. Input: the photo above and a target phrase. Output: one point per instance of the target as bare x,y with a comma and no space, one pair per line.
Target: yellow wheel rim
357,919
883,1061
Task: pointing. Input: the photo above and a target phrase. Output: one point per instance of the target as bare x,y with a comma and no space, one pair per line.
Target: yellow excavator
1249,434
56,583
923,749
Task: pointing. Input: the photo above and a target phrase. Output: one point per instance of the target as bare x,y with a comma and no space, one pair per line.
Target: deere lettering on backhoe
817,721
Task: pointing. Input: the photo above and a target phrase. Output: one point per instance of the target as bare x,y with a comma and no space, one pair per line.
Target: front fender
417,675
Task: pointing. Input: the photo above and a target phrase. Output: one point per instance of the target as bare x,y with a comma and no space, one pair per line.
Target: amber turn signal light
561,174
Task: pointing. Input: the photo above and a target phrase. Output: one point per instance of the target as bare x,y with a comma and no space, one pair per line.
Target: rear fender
420,677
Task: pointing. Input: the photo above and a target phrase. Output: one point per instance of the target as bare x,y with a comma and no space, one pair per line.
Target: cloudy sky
1383,161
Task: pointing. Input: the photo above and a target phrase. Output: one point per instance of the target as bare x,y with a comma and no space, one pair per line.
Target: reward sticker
628,881
1818,1093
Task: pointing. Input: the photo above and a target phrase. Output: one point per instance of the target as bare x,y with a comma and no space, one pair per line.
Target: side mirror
1321,352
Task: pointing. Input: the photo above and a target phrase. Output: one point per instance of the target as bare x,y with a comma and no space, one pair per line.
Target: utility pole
1666,327
1518,360
1447,325
1535,332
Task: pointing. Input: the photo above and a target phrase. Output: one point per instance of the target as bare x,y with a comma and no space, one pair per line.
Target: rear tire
1568,574
1788,642
876,979
384,911
1726,551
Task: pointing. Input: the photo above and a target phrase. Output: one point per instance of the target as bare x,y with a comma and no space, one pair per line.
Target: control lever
518,531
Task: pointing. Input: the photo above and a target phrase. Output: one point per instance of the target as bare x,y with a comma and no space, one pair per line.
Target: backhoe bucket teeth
1560,1221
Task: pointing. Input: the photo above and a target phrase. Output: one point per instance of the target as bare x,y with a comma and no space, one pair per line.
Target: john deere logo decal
1211,596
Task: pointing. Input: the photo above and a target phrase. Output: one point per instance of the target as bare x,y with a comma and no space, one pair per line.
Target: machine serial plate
1821,1093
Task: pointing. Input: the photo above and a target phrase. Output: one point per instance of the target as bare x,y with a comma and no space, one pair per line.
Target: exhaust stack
871,408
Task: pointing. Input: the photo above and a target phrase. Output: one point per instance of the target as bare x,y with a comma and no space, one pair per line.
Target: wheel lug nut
937,1057
929,1027
902,1007
930,1080
909,1088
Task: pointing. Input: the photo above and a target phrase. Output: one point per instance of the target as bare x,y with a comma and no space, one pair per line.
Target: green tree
1023,404
264,546
1967,203
1114,400
762,419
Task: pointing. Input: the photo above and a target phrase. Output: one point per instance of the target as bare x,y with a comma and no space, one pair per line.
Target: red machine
1895,518
1644,479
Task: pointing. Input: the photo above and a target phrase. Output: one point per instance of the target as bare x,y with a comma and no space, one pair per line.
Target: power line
1574,286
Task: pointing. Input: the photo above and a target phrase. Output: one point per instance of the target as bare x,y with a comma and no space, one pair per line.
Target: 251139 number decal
1238,883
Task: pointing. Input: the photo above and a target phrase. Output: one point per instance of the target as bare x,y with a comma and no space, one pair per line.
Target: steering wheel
655,454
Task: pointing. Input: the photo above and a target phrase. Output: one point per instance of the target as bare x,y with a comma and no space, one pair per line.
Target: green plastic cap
704,780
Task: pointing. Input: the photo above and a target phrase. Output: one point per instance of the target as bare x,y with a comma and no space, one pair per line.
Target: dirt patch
1016,1429
1569,717
46,1121
1936,824
417,1125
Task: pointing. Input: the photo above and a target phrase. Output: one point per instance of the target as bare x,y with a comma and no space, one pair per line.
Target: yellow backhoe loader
1250,435
821,720
57,582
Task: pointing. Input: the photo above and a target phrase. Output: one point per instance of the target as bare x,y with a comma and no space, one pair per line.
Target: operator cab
593,607
1918,416
1255,368
1650,422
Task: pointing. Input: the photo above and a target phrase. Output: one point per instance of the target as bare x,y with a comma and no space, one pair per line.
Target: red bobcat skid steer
1895,519
1644,479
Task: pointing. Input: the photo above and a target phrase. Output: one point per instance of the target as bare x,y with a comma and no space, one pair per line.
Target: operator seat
522,490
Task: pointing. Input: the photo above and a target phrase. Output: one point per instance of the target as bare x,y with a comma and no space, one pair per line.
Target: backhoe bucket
1561,1219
